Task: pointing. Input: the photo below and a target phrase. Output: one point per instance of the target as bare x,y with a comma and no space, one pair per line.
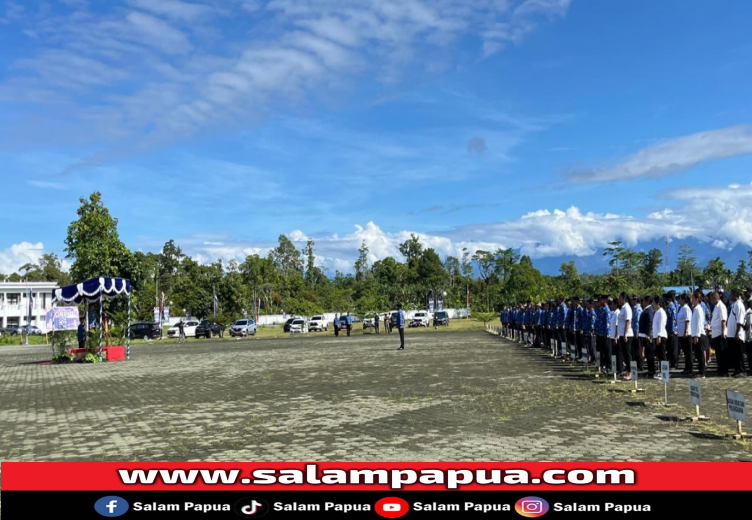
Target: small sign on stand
635,389
736,411
597,364
584,354
665,378
613,368
695,397
553,347
563,351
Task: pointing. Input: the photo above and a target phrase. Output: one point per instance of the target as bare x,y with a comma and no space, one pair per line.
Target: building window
14,299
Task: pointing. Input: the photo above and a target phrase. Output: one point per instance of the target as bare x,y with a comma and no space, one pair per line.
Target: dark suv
209,329
441,318
145,330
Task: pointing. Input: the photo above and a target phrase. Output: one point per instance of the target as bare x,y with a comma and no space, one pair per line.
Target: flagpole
28,316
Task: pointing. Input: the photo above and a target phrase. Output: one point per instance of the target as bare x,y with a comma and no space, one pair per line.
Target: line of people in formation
642,329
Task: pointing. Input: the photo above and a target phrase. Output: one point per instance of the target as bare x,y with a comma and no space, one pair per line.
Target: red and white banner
374,476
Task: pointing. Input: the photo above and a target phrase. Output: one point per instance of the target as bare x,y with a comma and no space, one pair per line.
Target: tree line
287,279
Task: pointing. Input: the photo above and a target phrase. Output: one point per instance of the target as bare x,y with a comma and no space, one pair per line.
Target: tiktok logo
254,507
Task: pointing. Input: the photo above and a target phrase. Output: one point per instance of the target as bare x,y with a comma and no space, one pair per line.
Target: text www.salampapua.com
394,478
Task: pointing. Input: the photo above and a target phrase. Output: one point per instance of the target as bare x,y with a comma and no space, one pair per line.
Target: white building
14,302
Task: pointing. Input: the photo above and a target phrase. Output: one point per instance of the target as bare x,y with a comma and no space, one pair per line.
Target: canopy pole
101,323
128,333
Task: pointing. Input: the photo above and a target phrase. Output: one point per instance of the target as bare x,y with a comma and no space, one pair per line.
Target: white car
420,319
189,327
318,323
298,325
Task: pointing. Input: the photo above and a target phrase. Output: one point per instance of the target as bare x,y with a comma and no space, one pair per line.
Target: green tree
93,243
361,264
452,268
741,277
715,275
49,269
686,265
570,279
651,263
526,283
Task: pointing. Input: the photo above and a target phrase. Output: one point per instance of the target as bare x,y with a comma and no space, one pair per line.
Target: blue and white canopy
92,290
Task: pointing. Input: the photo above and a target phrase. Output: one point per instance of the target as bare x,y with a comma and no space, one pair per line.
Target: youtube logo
392,507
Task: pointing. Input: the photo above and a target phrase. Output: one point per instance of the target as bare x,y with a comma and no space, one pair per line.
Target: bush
61,342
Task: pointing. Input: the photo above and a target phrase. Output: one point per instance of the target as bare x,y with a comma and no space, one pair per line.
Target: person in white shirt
718,332
736,337
697,330
682,330
625,334
660,336
613,335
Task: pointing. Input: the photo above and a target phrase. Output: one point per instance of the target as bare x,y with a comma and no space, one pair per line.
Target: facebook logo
111,506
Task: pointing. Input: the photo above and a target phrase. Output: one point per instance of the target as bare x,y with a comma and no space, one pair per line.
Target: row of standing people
642,329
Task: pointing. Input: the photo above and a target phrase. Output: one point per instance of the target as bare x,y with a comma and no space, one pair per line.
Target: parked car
208,329
286,328
145,330
15,330
318,323
298,325
368,323
189,327
441,318
34,331
242,328
420,319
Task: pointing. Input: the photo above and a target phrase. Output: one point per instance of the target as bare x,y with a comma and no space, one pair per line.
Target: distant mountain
598,264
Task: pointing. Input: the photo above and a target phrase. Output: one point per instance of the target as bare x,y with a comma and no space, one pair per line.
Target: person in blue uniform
672,342
401,326
588,329
638,346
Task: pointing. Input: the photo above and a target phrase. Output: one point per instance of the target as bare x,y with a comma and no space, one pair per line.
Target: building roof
25,286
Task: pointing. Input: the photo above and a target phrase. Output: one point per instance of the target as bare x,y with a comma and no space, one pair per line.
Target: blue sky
548,126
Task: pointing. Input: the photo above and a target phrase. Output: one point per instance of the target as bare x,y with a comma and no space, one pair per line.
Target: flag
468,297
216,301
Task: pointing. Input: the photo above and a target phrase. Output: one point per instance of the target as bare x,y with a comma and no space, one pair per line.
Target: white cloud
297,49
720,217
158,34
48,185
674,155
15,256
176,9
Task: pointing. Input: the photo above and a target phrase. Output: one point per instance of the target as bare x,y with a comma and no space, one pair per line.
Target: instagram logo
531,507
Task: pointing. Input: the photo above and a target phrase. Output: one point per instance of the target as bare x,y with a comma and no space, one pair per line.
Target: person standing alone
82,335
376,323
401,326
181,328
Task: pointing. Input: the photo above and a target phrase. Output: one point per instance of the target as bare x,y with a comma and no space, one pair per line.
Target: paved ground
449,397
